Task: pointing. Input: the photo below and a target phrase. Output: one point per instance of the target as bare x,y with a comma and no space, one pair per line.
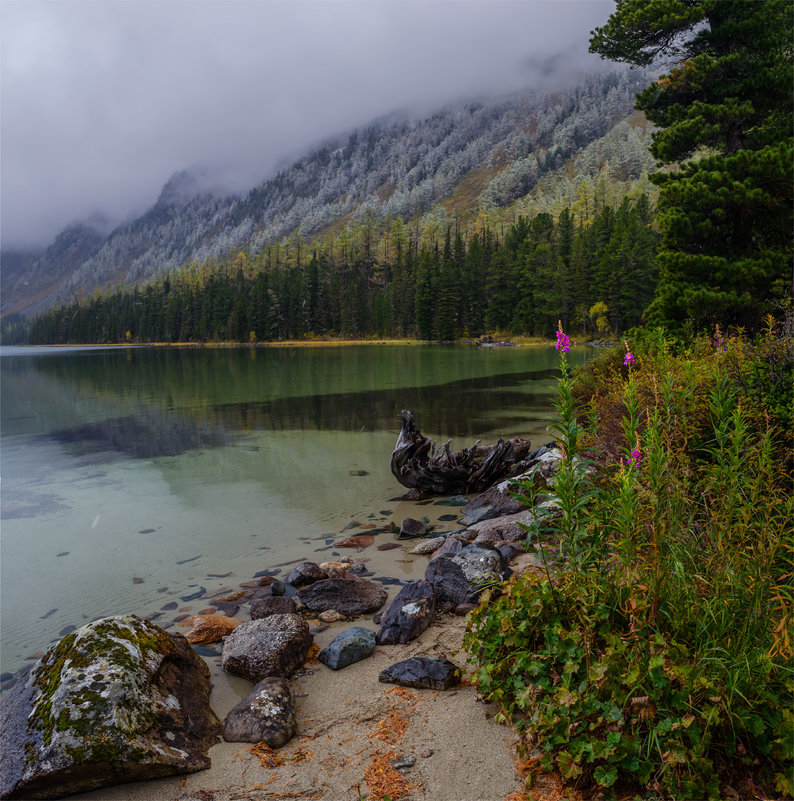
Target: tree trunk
441,472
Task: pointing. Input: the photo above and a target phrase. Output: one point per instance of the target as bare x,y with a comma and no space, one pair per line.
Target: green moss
84,714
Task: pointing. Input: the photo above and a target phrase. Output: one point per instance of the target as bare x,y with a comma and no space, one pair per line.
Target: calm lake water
135,478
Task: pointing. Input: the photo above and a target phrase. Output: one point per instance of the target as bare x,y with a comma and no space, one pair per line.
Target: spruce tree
725,116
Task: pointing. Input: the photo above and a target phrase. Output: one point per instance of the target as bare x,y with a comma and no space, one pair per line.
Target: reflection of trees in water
472,407
461,408
143,437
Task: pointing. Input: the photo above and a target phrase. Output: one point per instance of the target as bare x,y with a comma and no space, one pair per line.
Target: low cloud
103,101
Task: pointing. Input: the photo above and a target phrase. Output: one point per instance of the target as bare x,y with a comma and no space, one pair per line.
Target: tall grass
657,656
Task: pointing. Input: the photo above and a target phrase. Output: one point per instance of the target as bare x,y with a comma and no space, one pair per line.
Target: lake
136,479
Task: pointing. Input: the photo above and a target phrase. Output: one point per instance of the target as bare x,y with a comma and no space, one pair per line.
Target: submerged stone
116,701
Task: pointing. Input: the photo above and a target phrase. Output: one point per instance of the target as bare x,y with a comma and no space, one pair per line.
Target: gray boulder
274,646
449,547
116,701
503,529
422,672
482,564
348,647
409,614
348,595
462,577
265,715
447,579
494,502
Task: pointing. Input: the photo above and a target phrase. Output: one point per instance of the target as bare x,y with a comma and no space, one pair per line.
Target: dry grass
383,781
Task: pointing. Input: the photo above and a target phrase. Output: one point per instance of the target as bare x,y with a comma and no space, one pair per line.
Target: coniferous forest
393,281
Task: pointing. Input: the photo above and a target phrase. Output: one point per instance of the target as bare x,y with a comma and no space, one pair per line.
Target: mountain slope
473,155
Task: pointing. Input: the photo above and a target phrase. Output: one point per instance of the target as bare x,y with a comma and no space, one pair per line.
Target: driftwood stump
416,463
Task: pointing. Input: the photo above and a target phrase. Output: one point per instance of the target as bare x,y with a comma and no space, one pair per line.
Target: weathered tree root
416,463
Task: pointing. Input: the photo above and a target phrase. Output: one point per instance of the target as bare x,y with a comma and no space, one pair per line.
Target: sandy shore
346,720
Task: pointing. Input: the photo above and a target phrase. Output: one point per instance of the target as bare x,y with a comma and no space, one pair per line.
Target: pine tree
725,116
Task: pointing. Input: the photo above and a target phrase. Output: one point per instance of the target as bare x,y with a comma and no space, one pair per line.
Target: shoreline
521,341
460,753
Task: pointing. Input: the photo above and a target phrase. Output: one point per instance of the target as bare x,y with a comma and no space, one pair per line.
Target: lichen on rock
117,700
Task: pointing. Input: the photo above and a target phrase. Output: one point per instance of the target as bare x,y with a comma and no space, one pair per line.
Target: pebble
330,616
403,762
427,753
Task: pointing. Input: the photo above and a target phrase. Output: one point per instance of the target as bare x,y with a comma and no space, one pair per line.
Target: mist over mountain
472,155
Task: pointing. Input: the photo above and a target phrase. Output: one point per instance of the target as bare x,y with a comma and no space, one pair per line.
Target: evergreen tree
426,293
725,115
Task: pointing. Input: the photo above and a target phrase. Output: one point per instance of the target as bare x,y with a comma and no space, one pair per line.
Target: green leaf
606,777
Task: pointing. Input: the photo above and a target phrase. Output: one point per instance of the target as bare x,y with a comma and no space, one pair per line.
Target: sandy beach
349,723
347,719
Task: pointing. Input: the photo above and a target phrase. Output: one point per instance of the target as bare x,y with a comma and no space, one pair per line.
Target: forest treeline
392,280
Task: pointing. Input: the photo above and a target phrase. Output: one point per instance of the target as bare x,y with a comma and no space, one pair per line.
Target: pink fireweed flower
563,343
636,456
629,357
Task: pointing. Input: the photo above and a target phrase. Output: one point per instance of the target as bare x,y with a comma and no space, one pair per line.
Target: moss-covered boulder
116,701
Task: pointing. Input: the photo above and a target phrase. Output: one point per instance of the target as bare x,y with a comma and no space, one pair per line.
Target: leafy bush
655,653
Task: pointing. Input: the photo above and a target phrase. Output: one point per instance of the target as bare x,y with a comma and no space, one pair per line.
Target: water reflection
144,437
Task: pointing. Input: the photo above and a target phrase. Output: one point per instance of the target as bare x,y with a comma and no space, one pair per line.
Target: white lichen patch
412,608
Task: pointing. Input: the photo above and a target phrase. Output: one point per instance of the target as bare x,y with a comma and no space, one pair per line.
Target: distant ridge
470,156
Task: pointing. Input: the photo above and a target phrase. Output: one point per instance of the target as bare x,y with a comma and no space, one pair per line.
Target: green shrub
657,654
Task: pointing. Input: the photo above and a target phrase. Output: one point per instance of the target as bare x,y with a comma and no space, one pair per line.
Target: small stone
206,629
388,546
305,573
412,528
275,605
278,588
359,541
330,616
455,500
422,672
409,614
334,569
348,647
348,596
427,753
274,646
137,580
402,761
265,715
428,546
231,597
463,609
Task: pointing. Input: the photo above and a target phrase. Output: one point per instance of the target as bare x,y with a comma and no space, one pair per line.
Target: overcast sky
100,102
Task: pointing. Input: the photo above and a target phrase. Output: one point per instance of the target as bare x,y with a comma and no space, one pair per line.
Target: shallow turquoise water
131,475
